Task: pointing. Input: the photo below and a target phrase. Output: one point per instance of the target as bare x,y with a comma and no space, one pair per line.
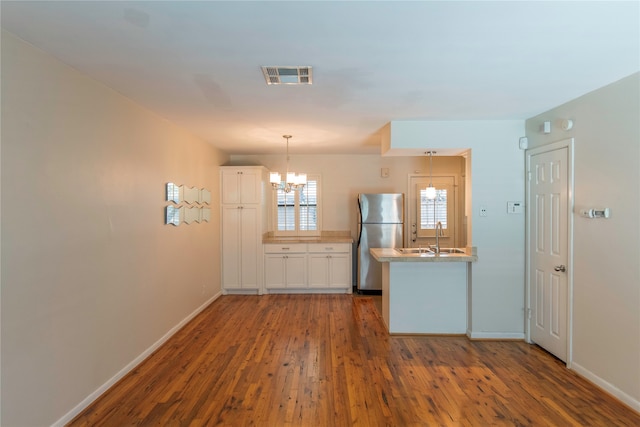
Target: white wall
91,278
497,176
606,297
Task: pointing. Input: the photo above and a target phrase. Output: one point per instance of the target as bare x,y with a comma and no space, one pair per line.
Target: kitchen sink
414,250
451,251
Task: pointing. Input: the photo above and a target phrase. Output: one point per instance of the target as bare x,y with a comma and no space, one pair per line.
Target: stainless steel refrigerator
380,225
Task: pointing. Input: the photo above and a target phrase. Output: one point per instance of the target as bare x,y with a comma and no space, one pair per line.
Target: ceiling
198,64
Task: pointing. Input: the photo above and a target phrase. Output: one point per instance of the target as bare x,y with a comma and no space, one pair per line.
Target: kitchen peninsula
424,292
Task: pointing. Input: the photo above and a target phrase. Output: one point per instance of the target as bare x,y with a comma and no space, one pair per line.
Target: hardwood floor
326,360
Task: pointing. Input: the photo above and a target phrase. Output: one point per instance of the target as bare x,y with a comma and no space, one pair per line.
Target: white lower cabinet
313,266
329,265
285,266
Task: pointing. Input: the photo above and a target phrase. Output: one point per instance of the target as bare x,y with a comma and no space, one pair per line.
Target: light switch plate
515,208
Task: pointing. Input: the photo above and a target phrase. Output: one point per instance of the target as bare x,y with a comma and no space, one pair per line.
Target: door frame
569,145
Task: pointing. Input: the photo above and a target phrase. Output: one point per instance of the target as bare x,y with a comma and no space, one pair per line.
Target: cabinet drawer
273,248
330,247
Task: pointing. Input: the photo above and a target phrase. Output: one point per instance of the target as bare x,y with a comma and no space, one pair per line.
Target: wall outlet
483,211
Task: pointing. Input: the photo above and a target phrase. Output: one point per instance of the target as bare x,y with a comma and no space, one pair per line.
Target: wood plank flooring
326,360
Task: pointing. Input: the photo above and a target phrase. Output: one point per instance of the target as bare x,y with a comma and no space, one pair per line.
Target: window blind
432,211
286,211
306,204
309,206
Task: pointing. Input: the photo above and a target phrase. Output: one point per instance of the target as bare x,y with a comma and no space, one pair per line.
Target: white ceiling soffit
283,75
197,63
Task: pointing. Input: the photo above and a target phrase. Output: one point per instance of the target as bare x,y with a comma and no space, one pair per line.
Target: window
432,211
424,214
297,212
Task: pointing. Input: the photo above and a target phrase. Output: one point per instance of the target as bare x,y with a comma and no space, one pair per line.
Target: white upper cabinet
242,185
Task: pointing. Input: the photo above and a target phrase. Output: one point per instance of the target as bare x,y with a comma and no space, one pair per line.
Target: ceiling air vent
288,75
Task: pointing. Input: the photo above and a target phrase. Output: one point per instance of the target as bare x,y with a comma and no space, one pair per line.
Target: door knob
560,268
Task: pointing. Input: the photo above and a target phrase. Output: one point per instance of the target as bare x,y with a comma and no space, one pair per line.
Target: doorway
549,237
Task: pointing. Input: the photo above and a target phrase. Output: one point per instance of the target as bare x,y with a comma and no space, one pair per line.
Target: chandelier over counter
293,181
431,190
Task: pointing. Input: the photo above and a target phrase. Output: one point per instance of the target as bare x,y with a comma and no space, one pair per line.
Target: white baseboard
129,367
606,386
309,291
495,335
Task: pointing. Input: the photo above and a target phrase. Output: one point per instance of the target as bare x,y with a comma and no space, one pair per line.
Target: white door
250,186
251,249
318,270
340,271
240,247
548,223
241,185
296,270
230,186
274,276
231,245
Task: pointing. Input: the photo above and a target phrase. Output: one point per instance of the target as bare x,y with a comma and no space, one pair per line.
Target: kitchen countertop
324,237
392,255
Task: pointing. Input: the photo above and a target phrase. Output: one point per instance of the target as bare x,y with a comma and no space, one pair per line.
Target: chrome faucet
439,232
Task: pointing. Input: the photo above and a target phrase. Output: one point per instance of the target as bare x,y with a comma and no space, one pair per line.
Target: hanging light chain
287,138
431,190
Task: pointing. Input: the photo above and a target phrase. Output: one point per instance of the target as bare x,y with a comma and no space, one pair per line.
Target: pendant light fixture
431,190
293,181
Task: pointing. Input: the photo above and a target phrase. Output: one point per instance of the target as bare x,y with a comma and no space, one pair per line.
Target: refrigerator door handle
359,223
